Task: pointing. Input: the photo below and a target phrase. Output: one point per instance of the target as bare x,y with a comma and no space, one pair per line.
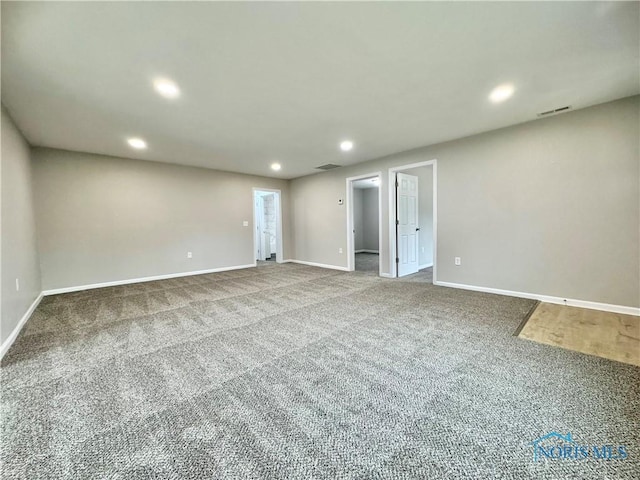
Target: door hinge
397,184
397,222
397,260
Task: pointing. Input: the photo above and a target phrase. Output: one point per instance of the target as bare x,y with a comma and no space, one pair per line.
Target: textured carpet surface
367,262
289,371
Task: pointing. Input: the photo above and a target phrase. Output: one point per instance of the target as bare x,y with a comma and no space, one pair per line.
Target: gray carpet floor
289,371
367,262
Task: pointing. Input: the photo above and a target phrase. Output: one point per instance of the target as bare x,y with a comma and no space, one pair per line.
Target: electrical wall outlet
339,250
189,255
245,223
457,261
17,285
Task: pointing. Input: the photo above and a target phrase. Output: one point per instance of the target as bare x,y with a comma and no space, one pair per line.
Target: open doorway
363,223
413,220
267,232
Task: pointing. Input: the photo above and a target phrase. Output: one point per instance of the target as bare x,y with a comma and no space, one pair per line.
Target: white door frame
351,254
278,202
393,270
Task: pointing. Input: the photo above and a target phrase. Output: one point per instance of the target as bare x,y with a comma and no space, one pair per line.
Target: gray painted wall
425,212
19,257
103,219
370,209
549,207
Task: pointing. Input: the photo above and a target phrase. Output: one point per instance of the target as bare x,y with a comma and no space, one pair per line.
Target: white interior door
407,223
266,244
259,220
268,231
268,224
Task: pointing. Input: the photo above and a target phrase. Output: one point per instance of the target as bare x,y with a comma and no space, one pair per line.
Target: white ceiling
286,82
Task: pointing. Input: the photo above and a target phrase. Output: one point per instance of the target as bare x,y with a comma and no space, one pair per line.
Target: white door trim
278,200
392,217
351,264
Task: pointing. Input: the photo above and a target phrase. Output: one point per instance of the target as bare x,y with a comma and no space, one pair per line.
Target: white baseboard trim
367,251
79,288
426,265
386,275
321,265
6,345
571,302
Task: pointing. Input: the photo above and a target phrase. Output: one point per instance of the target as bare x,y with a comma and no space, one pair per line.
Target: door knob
417,229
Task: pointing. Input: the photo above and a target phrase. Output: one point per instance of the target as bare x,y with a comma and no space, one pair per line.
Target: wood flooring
604,334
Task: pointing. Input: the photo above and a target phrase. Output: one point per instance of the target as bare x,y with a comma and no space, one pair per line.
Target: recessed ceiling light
501,93
166,88
346,145
137,143
276,166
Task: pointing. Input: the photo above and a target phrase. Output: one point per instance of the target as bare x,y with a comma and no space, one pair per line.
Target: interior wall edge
6,344
21,279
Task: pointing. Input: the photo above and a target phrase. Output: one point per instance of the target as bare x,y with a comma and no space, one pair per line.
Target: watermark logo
556,446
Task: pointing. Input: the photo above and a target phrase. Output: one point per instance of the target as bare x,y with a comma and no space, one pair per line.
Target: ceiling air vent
553,112
328,166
